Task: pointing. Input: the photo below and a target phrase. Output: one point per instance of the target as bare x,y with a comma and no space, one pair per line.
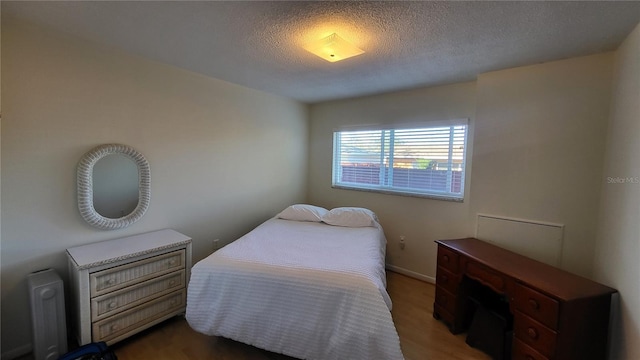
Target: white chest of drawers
123,286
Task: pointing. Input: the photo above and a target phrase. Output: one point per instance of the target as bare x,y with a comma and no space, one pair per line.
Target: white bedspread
307,290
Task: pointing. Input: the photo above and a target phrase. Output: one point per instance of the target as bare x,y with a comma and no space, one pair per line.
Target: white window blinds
426,161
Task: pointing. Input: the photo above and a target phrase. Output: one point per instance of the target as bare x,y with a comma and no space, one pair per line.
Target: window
426,161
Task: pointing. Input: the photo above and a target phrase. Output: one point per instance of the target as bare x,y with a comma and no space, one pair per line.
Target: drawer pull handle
172,282
532,333
534,304
114,327
172,262
110,282
112,305
445,258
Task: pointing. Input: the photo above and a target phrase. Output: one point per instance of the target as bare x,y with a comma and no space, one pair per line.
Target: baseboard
17,352
410,273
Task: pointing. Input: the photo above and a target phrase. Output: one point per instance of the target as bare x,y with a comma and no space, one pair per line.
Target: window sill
398,193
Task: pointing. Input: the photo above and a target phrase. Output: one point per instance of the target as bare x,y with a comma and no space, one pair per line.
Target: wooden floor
421,336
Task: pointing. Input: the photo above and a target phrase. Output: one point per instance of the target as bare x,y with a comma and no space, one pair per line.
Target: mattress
303,289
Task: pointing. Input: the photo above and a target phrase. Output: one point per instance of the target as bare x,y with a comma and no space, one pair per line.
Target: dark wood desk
556,314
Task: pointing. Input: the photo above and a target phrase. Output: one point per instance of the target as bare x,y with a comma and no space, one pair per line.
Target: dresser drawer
534,334
125,275
448,259
136,317
537,305
123,299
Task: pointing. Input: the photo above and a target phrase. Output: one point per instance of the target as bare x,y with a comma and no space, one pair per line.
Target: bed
307,284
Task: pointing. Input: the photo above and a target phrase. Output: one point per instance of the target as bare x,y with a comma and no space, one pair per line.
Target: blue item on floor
91,351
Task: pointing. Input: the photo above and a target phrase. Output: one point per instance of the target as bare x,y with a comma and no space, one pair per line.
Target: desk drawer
125,275
120,300
486,276
522,351
537,305
534,334
447,280
448,259
446,299
129,320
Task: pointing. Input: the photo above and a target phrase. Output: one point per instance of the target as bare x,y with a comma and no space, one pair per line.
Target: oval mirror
113,186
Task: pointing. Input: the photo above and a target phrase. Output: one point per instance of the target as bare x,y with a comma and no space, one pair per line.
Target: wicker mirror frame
85,186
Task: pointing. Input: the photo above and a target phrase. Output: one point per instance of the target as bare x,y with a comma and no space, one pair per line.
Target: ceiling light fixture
333,48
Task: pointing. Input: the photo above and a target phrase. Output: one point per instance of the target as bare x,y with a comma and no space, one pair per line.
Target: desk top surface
546,278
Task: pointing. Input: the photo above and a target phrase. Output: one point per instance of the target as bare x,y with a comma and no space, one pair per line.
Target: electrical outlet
402,242
216,244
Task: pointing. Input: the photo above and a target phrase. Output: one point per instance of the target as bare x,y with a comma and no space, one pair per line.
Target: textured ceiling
408,44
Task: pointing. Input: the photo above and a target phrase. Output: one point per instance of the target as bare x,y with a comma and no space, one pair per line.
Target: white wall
536,153
539,147
223,157
617,252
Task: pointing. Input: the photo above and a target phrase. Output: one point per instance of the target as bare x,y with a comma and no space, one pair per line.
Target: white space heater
46,294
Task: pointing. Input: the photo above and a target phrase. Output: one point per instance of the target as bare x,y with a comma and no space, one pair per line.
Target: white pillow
303,212
350,217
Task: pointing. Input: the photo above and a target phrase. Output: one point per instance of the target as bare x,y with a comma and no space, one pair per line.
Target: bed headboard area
538,240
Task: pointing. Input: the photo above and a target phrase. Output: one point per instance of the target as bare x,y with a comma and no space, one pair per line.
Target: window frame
391,190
